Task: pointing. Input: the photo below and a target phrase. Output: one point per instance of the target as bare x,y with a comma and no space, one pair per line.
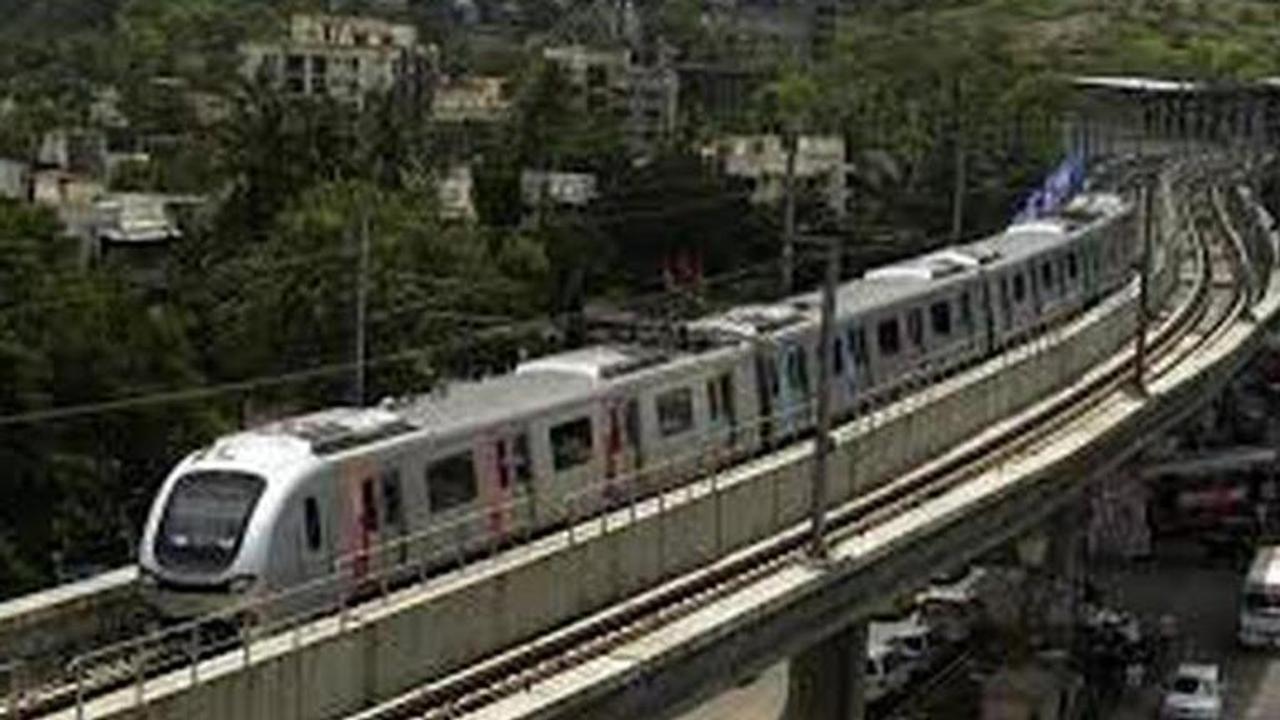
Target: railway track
508,674
1211,299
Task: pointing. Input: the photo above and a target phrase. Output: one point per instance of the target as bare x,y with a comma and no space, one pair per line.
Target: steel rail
177,651
511,672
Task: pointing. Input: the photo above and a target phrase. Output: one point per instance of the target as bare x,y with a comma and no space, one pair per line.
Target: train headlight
242,584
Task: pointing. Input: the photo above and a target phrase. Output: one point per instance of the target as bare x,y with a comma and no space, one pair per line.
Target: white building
644,97
455,192
560,188
762,161
343,57
475,99
15,180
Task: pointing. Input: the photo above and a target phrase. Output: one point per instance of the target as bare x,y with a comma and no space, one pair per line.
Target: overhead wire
205,392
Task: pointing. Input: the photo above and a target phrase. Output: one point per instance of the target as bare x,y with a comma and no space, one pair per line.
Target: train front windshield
205,519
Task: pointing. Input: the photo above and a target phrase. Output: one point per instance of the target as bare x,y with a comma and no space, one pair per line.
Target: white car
1194,693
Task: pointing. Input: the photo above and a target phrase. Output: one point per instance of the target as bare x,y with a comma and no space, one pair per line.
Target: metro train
562,436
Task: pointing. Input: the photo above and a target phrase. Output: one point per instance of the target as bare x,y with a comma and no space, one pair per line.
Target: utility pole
1144,272
957,198
362,301
822,442
790,141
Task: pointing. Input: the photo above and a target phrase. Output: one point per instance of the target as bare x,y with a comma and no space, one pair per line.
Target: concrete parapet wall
40,628
322,672
449,624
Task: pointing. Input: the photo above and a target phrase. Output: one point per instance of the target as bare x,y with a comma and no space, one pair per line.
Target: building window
940,317
675,411
1073,266
596,76
1019,288
571,444
888,337
451,482
1046,275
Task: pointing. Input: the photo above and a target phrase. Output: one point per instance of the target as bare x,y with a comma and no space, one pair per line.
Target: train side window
392,500
940,317
837,356
1073,266
1019,288
1046,274
368,508
675,411
311,523
571,444
888,337
451,482
966,311
915,327
713,400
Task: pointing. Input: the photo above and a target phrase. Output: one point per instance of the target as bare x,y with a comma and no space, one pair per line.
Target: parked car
1194,693
911,638
887,671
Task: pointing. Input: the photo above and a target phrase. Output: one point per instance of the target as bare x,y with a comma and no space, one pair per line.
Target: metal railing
366,579
13,672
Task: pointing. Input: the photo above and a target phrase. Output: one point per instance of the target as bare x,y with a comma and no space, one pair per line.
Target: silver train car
478,463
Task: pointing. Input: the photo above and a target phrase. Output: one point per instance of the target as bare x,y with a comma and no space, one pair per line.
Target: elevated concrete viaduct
814,613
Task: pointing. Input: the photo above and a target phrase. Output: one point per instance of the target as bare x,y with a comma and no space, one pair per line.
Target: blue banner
1062,183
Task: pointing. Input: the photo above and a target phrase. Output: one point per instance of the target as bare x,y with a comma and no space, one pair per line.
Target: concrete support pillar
1066,562
1053,556
827,680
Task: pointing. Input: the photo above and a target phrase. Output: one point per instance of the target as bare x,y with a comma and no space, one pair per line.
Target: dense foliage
258,314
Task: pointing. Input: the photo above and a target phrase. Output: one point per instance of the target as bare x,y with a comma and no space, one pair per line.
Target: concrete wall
404,643
407,641
41,628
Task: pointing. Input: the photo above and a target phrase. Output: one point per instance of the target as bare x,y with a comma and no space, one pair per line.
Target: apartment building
343,57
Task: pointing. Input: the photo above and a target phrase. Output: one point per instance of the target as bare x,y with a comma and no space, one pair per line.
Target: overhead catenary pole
822,442
362,302
1144,272
790,142
957,140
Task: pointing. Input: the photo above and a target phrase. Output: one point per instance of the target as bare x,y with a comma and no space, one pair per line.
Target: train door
395,526
915,338
794,395
368,528
1006,303
505,477
860,375
722,412
624,455
766,391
